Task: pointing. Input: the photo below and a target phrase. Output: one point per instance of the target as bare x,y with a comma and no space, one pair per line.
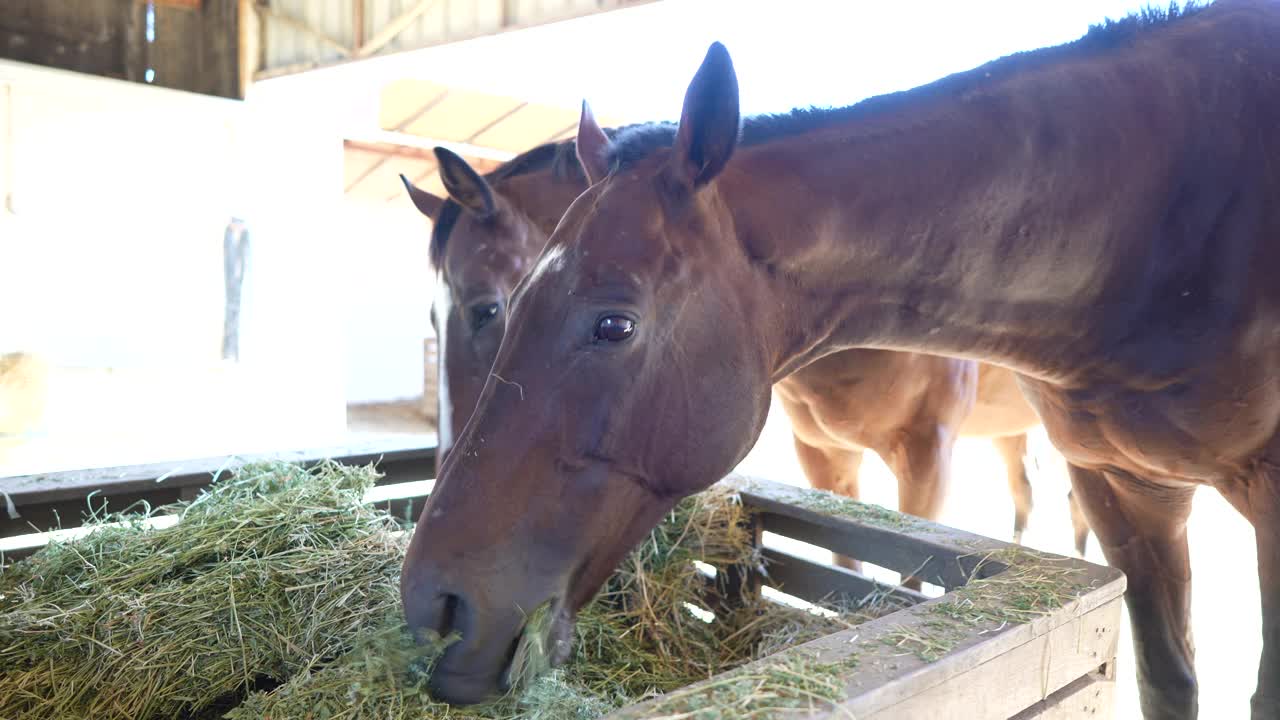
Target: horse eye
615,328
483,314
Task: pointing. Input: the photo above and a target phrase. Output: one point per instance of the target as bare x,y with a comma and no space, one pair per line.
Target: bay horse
1101,217
909,408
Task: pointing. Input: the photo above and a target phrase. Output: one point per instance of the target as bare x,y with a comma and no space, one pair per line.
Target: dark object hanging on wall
235,253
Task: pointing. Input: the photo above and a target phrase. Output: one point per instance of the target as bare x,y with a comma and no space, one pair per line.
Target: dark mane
638,142
559,157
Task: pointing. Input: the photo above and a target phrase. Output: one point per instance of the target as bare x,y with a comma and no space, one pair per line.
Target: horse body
909,408
1100,218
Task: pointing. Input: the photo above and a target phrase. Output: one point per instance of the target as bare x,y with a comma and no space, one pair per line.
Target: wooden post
357,25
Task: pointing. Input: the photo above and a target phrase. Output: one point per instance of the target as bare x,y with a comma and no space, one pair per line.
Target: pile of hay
276,597
257,582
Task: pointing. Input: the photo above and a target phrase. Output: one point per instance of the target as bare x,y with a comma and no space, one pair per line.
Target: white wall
386,259
111,263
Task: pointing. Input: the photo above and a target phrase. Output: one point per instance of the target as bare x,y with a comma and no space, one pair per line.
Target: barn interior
206,248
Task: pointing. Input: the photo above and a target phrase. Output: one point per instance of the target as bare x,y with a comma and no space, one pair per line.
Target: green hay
792,684
283,576
829,503
637,639
257,581
1033,585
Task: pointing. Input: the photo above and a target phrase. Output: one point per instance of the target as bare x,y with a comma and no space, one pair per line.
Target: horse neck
1001,224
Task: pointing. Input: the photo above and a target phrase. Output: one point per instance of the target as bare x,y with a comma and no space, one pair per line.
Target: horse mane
640,141
561,158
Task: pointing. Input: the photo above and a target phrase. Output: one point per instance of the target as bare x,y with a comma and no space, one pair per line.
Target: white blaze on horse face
551,261
443,308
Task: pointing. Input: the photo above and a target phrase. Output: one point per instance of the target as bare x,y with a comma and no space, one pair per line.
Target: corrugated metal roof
300,33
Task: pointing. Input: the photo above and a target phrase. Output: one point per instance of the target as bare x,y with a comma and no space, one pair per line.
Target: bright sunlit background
336,304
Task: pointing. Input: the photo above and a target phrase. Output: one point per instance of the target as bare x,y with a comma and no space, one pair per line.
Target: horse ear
592,146
465,184
709,122
426,203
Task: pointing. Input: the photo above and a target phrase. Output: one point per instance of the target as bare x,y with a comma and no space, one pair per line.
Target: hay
257,582
794,683
282,579
1031,584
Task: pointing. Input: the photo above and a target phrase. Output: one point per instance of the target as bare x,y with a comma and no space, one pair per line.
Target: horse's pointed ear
592,146
426,203
709,122
465,184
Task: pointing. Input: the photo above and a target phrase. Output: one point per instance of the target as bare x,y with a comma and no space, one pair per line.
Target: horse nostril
448,614
444,613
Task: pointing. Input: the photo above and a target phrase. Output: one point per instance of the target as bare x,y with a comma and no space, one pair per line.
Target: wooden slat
915,546
816,582
930,562
38,497
1018,677
1088,698
460,114
197,50
389,31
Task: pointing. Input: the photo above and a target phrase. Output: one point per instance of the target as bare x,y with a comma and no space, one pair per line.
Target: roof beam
391,137
306,27
394,28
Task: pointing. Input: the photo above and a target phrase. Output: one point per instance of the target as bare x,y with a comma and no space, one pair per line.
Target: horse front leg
1266,699
922,463
1013,448
1141,526
1258,499
1079,524
836,470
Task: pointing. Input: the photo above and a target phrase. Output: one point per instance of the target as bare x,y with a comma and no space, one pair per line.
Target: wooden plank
307,28
72,513
198,50
83,36
38,497
389,32
816,582
357,24
195,48
1092,696
1010,682
897,551
402,500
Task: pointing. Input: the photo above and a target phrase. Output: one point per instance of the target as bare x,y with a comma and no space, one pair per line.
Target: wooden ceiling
416,115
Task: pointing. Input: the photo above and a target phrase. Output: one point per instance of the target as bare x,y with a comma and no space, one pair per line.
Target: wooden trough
981,650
